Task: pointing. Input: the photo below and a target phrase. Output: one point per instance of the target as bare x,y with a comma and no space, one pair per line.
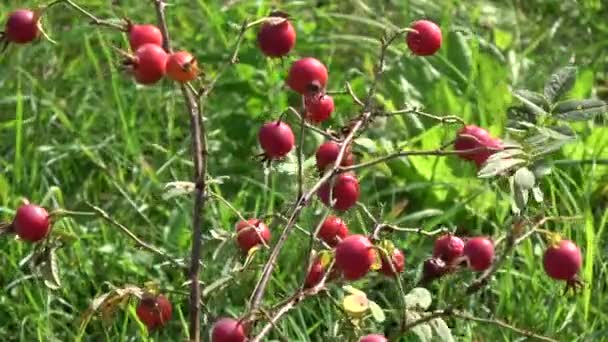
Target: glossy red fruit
276,37
150,64
398,261
474,137
480,253
154,311
228,330
307,76
31,223
345,192
448,247
427,40
277,139
563,260
328,153
318,108
140,35
22,26
333,230
373,338
251,233
315,274
355,256
182,67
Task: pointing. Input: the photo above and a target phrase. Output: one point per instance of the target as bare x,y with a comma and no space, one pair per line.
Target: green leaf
50,270
506,154
537,99
580,110
498,166
524,178
531,107
377,311
367,144
559,83
423,331
442,330
541,169
519,196
459,52
418,297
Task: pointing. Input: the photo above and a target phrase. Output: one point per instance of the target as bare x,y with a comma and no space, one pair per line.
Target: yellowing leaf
377,261
355,305
325,258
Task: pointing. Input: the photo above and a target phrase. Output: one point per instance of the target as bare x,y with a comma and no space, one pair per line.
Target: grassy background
74,129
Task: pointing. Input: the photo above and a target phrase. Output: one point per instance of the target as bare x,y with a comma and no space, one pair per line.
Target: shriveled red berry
563,261
277,139
154,311
373,338
398,261
228,330
333,230
432,269
140,35
22,26
315,274
251,233
150,64
448,247
473,137
31,223
307,76
345,192
426,40
480,253
276,37
327,154
355,256
318,107
182,67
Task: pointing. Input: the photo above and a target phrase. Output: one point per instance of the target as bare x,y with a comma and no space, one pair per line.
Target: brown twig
502,324
310,126
94,19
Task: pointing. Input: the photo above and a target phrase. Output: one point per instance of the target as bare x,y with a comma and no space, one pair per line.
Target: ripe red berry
228,330
277,139
355,256
398,261
31,223
250,233
563,261
373,338
22,26
276,37
307,76
154,311
345,192
318,107
333,230
328,153
426,40
140,35
182,67
150,64
474,137
315,274
448,247
480,253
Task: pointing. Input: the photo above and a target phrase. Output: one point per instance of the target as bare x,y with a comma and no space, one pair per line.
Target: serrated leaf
418,297
355,305
560,83
531,107
536,98
352,290
506,154
579,110
377,312
424,332
499,166
537,193
524,178
442,330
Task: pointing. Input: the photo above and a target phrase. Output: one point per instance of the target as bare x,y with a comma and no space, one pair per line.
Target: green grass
75,129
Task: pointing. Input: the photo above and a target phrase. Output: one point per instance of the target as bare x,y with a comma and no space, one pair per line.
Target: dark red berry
432,269
150,64
182,67
474,137
328,153
251,233
31,223
277,139
480,253
315,274
318,108
154,311
355,256
140,35
228,330
398,261
345,192
22,26
563,261
373,338
448,247
276,37
307,76
333,230
426,40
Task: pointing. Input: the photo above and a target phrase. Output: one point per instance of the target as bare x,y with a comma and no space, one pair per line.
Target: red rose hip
22,26
276,139
307,76
426,40
345,192
31,223
315,274
448,247
182,67
228,330
154,311
373,338
276,37
355,256
398,261
140,35
327,154
473,137
333,230
251,233
318,108
563,261
150,64
480,253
